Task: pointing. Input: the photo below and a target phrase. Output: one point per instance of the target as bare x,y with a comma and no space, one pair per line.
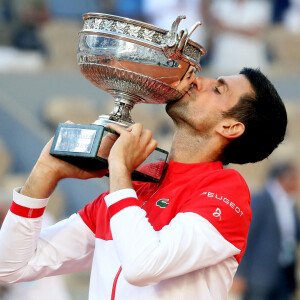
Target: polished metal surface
134,61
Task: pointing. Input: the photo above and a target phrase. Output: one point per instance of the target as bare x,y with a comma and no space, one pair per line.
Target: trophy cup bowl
135,62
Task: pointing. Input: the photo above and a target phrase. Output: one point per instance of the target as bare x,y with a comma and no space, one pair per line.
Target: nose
203,83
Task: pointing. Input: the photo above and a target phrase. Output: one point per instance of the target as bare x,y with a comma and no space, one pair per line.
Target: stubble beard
181,117
177,110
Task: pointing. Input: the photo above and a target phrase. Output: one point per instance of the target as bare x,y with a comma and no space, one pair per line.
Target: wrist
41,182
119,177
27,207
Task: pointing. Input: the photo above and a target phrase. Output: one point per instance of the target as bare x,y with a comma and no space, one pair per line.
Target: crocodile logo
163,203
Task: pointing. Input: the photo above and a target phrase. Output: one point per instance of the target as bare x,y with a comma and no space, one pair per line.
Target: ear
230,128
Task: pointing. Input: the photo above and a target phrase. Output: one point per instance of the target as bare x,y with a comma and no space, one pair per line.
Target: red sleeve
225,203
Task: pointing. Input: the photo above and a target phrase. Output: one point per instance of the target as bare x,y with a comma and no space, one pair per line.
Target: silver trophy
136,63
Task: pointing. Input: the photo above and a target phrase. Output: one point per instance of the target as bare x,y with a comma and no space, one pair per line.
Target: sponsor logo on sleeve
231,204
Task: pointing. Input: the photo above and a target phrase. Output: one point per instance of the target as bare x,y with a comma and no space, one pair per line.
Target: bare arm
48,171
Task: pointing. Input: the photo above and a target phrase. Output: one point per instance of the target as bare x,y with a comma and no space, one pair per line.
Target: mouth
188,91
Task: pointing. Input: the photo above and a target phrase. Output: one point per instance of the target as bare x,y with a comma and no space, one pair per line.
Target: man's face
203,104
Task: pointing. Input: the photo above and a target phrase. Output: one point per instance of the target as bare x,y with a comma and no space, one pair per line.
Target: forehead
238,85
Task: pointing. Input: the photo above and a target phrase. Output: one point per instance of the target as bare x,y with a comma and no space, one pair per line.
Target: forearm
17,247
40,184
19,236
48,171
147,256
28,252
132,148
119,177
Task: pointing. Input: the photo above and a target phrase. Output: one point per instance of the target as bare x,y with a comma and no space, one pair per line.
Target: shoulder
226,181
223,199
222,190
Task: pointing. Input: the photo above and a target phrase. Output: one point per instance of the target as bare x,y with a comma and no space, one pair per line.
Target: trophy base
79,145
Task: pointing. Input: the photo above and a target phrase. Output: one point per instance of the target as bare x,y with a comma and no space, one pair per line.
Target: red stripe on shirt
26,212
116,207
113,292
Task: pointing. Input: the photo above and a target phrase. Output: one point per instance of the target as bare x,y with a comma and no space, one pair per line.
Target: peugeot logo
217,213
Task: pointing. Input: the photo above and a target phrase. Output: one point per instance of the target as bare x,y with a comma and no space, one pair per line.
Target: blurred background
41,85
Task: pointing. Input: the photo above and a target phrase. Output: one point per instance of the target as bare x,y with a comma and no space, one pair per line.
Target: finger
137,129
152,145
146,136
69,122
119,129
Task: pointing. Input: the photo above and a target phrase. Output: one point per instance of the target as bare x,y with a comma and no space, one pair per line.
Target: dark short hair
264,117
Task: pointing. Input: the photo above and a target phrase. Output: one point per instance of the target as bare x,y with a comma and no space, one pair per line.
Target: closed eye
216,90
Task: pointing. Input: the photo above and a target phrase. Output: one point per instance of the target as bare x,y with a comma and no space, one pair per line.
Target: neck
191,147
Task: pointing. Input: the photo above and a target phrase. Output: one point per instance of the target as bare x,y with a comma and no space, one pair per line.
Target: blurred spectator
47,288
23,19
267,270
239,34
21,45
278,10
292,17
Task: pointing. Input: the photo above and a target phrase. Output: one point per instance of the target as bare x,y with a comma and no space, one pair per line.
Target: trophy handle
171,37
120,115
174,44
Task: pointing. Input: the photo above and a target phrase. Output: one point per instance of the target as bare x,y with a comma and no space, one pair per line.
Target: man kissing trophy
136,63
